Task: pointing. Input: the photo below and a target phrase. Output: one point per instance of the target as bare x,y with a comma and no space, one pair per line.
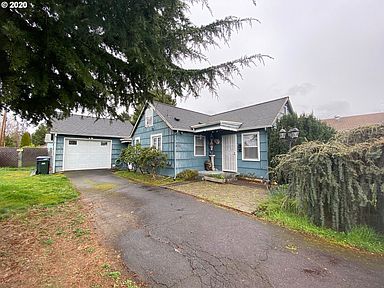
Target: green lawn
362,238
19,190
147,179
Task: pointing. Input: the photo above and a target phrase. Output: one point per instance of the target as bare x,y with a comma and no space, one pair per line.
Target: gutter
174,152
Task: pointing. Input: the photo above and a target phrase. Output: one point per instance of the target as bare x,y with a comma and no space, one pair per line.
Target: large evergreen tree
310,128
25,140
59,55
38,137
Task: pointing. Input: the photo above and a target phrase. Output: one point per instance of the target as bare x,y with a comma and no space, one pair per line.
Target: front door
229,143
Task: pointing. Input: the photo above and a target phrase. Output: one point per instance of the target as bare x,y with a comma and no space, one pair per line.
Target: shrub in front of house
144,159
188,174
338,184
130,156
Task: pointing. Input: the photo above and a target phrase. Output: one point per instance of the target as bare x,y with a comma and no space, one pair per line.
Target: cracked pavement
173,240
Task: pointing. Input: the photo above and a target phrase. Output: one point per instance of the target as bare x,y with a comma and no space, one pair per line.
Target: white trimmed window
251,146
137,141
200,145
156,141
149,117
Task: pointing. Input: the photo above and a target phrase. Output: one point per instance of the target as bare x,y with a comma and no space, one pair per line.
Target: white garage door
87,154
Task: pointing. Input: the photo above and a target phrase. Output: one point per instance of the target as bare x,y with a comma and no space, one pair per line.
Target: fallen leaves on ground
57,247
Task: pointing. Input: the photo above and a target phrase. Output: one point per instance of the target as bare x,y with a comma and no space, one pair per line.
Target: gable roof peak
286,98
155,103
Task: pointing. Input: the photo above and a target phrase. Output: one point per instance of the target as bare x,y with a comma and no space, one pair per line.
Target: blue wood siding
59,153
167,137
257,169
117,146
184,142
185,158
217,148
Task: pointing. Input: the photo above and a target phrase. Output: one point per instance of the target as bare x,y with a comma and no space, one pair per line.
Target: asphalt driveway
173,240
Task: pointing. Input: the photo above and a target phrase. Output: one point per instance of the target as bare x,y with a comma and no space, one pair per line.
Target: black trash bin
42,165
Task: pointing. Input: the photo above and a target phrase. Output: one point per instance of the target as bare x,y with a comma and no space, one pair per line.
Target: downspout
54,154
267,132
174,153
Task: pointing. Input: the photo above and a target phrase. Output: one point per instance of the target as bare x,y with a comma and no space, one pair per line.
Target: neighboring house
84,142
235,141
351,122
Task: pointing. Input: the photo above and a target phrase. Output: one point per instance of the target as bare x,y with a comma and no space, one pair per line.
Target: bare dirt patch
244,196
57,247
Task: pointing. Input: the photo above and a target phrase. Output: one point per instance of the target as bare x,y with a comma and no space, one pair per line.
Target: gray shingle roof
91,126
254,116
179,118
258,115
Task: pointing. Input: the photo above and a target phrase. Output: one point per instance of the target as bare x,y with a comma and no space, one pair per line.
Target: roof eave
87,134
290,108
223,123
213,128
162,117
255,127
138,120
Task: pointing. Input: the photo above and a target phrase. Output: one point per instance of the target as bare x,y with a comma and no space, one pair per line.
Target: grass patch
48,241
116,276
81,232
147,179
362,237
216,176
20,191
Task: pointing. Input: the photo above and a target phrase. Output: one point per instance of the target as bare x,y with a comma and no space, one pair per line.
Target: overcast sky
328,55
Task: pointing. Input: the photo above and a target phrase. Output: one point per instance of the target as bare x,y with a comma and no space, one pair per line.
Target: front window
251,145
149,117
200,145
156,141
137,141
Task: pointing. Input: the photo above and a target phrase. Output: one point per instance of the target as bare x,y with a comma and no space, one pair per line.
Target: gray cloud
338,45
333,108
301,89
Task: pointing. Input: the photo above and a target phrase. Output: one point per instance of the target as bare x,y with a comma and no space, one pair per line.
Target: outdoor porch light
293,133
290,137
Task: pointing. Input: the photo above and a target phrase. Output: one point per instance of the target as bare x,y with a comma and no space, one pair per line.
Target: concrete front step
218,176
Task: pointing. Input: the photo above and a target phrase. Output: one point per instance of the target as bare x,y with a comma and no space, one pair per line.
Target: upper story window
149,117
251,146
200,145
156,141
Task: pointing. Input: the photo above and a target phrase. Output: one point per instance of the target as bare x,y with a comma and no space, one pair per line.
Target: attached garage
84,143
81,154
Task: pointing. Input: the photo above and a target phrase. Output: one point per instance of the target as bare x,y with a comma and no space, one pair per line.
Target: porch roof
216,125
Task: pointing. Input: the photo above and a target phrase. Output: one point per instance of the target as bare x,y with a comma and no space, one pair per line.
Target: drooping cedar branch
338,184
